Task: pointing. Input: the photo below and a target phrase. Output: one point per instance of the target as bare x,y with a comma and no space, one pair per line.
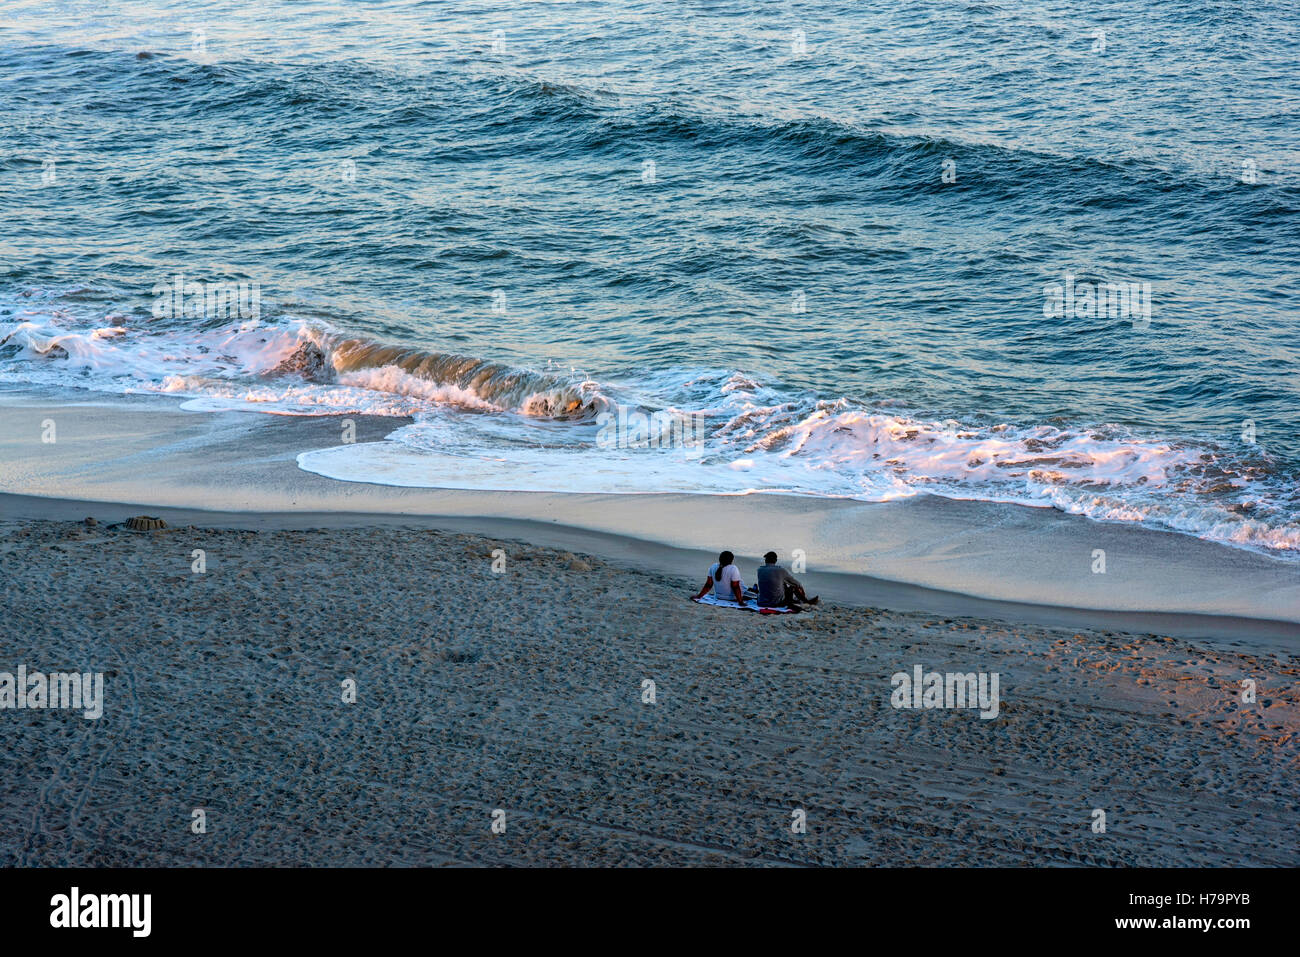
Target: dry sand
522,691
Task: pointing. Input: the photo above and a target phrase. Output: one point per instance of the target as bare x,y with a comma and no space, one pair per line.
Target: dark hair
770,558
725,559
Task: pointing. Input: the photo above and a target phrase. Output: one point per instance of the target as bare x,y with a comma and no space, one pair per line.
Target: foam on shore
483,424
150,454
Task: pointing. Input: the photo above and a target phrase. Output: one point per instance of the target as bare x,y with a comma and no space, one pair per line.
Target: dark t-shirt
772,580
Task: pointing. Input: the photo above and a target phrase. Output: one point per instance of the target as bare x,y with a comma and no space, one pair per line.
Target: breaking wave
293,367
483,424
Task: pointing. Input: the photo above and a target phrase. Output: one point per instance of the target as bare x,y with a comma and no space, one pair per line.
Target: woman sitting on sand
724,579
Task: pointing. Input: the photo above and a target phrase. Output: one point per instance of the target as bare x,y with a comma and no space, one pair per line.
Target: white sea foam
481,425
1105,475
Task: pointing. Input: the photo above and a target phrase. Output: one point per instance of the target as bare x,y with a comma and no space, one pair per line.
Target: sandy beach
522,691
642,436
924,553
225,640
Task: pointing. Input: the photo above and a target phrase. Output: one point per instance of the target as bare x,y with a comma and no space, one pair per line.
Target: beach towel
750,605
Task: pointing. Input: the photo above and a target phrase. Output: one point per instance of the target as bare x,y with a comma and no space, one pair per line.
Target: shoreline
140,454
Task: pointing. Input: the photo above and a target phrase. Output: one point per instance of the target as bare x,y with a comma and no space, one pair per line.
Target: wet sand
924,553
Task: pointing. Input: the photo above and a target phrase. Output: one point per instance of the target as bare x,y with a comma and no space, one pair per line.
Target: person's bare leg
797,592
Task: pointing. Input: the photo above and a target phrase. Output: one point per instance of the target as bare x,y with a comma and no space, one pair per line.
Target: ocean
1029,252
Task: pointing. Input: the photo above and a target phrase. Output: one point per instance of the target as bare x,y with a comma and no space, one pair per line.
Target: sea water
1016,251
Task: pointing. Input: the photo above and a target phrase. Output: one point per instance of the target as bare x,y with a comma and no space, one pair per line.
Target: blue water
471,184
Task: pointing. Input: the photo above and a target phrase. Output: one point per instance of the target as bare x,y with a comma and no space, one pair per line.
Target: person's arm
705,590
735,589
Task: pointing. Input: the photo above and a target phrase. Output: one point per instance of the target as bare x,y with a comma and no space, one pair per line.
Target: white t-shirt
722,580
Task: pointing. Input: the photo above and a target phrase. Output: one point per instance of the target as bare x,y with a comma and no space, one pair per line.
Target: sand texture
522,691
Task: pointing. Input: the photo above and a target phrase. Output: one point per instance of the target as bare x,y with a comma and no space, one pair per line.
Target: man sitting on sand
777,588
724,579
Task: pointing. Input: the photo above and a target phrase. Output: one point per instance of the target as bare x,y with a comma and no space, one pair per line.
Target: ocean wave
239,363
541,430
587,114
